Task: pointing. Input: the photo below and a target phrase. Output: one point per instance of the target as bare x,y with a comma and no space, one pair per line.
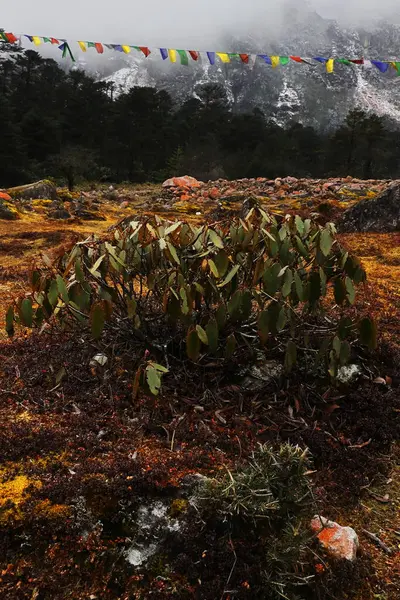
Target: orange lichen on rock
52,511
340,542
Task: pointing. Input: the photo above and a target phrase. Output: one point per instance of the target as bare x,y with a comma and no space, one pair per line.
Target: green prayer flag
233,55
396,66
47,40
91,45
3,36
183,57
284,60
343,61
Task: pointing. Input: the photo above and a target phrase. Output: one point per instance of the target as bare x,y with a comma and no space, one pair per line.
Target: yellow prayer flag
82,46
36,40
274,61
329,65
172,55
224,57
126,49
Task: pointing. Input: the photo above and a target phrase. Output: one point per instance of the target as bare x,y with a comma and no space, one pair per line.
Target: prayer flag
47,40
145,50
66,50
357,61
321,59
82,46
11,38
194,54
172,55
30,38
396,67
99,47
283,60
329,65
297,59
91,45
36,40
117,47
343,61
183,57
126,49
164,53
211,57
382,66
265,58
223,57
244,58
274,61
54,41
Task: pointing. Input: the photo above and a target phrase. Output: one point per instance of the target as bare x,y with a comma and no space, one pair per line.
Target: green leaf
173,252
52,294
216,240
213,268
79,276
263,325
185,304
172,228
344,328
97,320
193,345
202,334
212,335
230,346
299,287
368,333
301,247
287,283
26,312
271,279
153,380
299,225
10,321
247,304
234,304
325,242
222,262
94,269
351,292
62,289
282,319
290,356
230,276
158,367
339,291
221,316
345,352
314,287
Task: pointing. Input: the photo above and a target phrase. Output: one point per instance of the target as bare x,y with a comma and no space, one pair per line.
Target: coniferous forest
69,126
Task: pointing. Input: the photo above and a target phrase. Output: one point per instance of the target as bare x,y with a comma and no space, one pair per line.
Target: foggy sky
177,23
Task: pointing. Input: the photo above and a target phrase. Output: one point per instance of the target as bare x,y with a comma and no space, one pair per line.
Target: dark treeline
69,126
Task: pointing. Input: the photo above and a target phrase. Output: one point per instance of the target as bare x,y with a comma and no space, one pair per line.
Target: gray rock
262,374
43,189
7,213
381,214
348,373
59,213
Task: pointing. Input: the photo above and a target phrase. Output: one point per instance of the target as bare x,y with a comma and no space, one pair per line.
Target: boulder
261,375
340,542
59,213
8,211
40,189
381,214
185,181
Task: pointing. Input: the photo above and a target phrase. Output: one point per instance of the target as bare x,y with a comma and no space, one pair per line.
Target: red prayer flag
146,51
357,61
194,54
54,41
11,38
99,47
296,59
244,58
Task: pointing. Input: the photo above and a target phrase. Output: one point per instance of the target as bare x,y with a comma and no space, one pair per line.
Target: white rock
348,373
340,542
98,360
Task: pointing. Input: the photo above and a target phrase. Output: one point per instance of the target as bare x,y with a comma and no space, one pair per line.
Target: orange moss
52,511
13,494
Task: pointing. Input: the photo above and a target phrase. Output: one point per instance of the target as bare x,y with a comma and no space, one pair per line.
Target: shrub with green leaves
211,289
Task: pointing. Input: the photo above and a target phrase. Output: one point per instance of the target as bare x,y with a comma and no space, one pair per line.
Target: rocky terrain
100,494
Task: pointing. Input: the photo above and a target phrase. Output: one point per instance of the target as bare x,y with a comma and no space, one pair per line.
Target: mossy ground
81,440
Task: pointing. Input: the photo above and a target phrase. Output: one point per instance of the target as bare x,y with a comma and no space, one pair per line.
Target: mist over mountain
307,94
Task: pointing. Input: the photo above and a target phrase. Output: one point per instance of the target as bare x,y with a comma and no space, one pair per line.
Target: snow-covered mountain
296,91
